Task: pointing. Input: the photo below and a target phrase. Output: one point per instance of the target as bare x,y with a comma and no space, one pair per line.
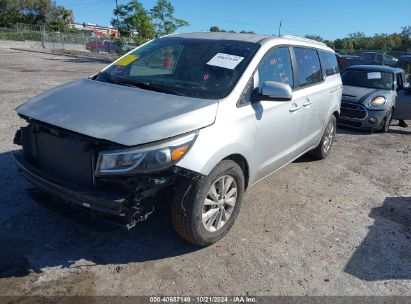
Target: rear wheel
324,148
205,213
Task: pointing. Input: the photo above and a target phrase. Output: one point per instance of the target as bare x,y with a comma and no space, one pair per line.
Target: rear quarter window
329,63
308,66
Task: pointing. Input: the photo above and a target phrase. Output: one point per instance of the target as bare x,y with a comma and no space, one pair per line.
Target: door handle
307,102
295,107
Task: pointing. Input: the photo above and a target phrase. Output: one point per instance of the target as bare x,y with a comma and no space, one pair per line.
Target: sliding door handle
307,102
295,107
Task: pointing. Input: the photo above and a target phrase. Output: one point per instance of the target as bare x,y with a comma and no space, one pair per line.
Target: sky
330,19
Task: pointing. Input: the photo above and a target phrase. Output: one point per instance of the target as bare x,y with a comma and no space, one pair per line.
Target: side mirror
276,91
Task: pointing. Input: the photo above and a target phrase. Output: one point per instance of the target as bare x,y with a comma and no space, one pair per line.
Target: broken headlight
146,158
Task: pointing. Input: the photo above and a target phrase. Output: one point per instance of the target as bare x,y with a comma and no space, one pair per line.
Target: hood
361,95
125,115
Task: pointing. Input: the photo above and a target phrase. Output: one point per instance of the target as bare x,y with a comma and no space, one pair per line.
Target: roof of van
254,38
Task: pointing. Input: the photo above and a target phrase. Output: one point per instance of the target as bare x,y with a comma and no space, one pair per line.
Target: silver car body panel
128,116
267,134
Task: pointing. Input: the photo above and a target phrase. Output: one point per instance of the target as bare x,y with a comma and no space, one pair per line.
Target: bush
20,36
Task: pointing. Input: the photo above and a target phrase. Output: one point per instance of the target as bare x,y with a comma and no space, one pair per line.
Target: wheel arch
241,161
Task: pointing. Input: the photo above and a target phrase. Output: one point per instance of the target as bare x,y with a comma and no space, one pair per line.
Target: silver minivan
189,121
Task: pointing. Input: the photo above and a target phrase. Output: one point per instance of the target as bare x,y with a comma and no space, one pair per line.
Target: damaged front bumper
128,206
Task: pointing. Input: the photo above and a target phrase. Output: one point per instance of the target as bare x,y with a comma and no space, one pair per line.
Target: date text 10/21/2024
204,299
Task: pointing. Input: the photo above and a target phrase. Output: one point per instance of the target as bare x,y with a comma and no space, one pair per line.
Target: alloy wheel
219,203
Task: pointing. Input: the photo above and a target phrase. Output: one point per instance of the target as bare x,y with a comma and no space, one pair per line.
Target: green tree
247,32
163,18
59,18
360,41
214,29
315,37
43,12
134,22
406,38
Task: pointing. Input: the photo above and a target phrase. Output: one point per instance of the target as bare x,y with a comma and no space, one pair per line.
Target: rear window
308,66
329,63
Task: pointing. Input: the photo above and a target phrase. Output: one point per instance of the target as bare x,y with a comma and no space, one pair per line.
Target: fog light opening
372,120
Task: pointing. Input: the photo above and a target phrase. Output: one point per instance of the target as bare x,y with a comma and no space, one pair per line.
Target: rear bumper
108,203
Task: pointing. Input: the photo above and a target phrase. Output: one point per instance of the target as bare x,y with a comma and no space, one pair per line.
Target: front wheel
324,148
387,121
204,212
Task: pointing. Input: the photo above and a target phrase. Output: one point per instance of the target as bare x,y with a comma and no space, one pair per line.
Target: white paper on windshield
374,75
225,61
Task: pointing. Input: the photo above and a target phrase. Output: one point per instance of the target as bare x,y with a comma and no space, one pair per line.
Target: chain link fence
77,43
375,57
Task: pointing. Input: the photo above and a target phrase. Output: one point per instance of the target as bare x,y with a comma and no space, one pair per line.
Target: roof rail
303,39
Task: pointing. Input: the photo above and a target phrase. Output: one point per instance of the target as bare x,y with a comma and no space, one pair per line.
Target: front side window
368,79
200,68
276,66
308,66
329,63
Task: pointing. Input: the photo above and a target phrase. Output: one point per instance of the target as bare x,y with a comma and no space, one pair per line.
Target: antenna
279,28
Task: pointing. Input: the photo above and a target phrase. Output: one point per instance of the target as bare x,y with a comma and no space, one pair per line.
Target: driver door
403,104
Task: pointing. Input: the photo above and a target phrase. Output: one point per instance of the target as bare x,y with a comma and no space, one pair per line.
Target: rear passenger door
309,77
332,84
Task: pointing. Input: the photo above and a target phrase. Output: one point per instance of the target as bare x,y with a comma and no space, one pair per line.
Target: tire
324,148
387,121
189,206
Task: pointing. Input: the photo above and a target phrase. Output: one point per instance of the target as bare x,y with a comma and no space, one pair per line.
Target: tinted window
276,66
329,63
308,66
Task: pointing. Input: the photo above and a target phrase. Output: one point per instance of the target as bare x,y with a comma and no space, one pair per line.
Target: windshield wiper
145,85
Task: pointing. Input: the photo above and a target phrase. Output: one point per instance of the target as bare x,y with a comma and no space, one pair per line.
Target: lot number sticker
374,75
225,61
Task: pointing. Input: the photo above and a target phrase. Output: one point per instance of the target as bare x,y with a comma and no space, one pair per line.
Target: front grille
355,124
63,156
353,110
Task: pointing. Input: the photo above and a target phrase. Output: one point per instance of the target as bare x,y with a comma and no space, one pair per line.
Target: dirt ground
341,226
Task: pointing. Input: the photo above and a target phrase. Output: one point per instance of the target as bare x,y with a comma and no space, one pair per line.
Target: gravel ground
341,226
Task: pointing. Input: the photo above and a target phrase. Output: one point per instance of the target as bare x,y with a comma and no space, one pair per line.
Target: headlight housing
378,102
146,158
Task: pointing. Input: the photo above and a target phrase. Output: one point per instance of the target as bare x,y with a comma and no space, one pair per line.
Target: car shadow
404,131
79,59
341,130
385,253
34,238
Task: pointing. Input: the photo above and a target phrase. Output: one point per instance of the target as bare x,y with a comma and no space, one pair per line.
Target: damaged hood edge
123,115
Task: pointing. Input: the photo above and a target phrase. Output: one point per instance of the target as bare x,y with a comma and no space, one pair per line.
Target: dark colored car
376,58
372,96
405,63
345,61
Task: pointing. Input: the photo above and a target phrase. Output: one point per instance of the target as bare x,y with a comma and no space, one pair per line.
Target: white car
201,117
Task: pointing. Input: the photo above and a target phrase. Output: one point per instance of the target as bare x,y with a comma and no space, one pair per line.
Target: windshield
368,79
188,67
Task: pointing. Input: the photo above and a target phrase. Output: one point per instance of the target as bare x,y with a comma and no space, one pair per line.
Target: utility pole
279,28
117,12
